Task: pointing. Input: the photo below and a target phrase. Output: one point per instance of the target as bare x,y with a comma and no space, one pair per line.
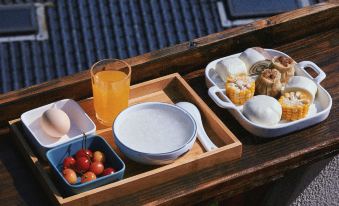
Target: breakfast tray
170,89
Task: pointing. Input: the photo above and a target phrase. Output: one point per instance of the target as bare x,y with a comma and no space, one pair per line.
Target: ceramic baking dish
319,110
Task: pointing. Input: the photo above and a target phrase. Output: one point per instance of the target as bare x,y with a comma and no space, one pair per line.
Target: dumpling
262,109
268,83
285,66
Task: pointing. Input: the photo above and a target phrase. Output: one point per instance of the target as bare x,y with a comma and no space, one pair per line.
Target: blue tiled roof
84,31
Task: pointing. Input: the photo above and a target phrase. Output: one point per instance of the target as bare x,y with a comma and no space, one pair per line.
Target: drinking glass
110,83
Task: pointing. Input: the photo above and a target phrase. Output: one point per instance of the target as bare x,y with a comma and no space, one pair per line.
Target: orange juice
110,94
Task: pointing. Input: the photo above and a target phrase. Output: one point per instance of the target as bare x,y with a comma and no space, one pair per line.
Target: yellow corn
237,96
293,112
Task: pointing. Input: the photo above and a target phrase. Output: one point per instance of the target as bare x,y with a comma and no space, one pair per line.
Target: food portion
87,177
70,176
69,162
87,165
82,164
240,88
285,66
55,122
279,94
84,153
295,105
97,168
300,83
230,67
256,60
108,171
99,157
268,83
262,109
298,95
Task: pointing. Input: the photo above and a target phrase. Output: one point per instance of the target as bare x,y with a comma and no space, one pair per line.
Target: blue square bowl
56,156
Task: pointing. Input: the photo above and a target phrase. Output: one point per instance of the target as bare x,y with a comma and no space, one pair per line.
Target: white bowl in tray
318,111
154,133
80,123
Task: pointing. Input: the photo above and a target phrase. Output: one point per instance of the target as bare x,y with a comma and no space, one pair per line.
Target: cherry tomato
84,153
69,162
82,164
97,168
98,157
88,176
70,176
108,171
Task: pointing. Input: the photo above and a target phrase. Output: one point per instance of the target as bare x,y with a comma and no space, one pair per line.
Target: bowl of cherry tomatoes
85,164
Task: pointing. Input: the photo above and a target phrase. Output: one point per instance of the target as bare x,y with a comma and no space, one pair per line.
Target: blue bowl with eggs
57,155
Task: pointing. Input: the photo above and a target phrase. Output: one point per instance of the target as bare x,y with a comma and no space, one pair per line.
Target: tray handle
321,74
212,92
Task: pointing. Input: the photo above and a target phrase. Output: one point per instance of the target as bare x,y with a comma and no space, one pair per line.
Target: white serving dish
319,110
154,133
80,123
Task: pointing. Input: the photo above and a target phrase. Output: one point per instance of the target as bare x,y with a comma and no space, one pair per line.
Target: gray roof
82,32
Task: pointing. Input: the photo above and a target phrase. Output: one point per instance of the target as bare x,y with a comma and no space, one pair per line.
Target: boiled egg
55,122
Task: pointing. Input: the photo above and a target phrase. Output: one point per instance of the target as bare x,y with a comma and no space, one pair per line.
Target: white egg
55,122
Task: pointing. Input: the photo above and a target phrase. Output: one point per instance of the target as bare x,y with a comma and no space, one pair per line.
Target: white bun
262,109
230,66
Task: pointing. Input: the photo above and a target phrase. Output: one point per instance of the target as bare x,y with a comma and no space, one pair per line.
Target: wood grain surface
308,34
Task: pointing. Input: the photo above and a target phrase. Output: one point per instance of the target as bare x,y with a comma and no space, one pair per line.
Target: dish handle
321,74
213,91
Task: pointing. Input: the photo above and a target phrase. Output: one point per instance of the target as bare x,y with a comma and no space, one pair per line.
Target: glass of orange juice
110,83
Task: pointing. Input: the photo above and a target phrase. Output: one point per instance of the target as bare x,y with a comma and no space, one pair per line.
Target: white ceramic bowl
154,133
80,122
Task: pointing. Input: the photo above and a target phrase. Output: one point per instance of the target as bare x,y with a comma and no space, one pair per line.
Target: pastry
294,105
256,60
230,66
268,83
240,88
262,109
300,83
285,66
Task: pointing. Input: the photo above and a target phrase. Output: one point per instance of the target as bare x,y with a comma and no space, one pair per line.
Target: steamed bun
262,109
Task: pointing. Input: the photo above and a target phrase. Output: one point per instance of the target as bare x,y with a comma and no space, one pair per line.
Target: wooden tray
170,89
